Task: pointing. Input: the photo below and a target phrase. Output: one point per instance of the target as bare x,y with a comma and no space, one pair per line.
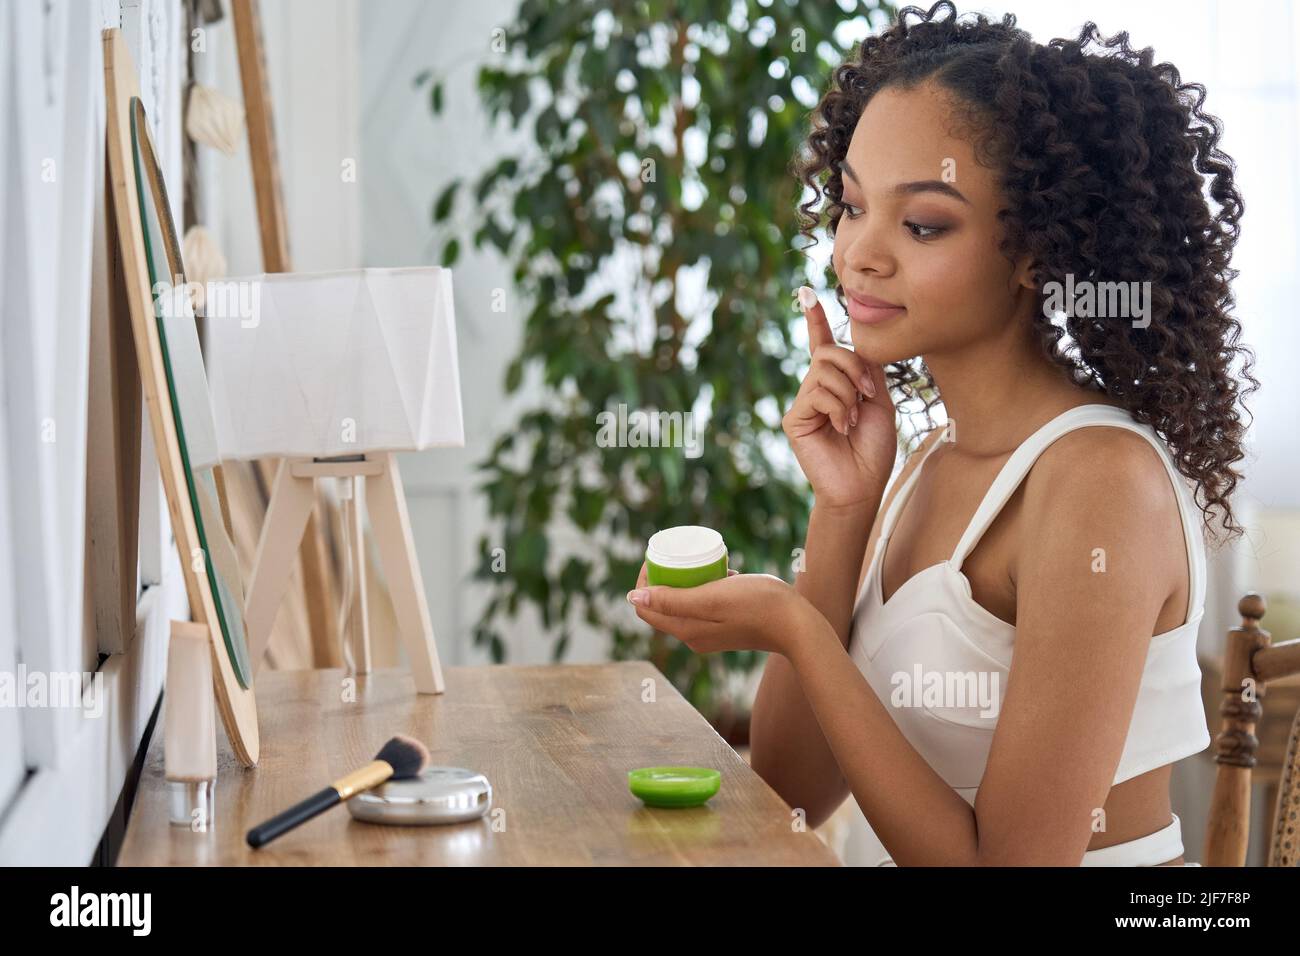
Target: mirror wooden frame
235,703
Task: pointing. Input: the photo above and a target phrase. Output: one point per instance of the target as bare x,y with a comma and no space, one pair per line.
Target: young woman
995,654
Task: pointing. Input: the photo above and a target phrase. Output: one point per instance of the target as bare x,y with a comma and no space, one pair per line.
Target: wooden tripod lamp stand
332,373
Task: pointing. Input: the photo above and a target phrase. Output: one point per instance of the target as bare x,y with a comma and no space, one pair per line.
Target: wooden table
555,742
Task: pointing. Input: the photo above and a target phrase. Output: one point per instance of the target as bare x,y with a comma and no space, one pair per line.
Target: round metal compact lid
439,795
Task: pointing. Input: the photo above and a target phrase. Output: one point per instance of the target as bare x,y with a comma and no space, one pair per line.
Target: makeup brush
400,758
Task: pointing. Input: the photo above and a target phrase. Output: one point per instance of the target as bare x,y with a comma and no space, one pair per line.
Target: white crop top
932,625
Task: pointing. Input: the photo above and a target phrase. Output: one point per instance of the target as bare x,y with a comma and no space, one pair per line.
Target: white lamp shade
333,363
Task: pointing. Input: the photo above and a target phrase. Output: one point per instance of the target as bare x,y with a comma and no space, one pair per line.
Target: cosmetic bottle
190,728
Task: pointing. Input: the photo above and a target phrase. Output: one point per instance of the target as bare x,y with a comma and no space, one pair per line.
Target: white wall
61,770
311,52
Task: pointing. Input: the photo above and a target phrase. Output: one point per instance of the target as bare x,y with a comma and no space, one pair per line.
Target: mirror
173,384
187,387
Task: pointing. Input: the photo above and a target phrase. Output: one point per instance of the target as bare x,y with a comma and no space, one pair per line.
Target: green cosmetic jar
685,556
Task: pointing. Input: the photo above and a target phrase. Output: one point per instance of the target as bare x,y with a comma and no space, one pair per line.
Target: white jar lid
686,546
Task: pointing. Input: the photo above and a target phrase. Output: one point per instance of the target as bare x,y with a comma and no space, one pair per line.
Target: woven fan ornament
214,119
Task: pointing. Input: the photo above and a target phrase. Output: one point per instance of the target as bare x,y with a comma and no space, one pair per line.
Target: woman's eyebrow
908,189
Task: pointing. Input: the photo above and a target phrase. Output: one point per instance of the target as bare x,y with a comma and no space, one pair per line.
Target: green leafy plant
655,236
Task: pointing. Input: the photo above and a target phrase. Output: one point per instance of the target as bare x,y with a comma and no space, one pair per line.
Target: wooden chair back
1250,662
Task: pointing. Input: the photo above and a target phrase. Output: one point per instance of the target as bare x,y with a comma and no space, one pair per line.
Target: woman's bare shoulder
1107,482
1101,461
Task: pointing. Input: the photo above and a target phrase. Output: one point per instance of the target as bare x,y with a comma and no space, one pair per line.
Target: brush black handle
298,813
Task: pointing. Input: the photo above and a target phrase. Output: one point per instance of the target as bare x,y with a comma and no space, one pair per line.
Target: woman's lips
869,310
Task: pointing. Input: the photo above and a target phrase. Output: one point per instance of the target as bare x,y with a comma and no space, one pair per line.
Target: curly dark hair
1100,158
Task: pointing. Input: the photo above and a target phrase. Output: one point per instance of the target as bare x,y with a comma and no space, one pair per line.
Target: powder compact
438,795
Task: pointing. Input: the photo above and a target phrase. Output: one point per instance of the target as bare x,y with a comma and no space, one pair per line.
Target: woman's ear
1025,274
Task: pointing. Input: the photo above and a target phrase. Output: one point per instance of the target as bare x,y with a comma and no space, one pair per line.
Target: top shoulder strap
905,489
1023,458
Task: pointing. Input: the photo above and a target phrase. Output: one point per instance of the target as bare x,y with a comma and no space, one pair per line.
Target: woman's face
919,230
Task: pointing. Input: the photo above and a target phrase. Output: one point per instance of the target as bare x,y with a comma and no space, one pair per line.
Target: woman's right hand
841,425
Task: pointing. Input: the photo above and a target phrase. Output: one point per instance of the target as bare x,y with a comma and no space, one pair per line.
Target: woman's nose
863,246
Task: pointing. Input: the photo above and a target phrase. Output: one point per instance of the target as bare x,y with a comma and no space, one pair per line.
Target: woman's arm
1081,644
833,557
787,747
842,431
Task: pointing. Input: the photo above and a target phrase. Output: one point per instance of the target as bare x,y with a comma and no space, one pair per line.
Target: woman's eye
919,231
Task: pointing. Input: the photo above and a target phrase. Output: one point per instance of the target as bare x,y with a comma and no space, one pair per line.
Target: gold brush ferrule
371,775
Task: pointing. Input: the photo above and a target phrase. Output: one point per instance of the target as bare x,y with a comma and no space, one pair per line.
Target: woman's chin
882,346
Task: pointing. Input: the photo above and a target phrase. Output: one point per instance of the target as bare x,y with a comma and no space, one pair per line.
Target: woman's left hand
740,612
